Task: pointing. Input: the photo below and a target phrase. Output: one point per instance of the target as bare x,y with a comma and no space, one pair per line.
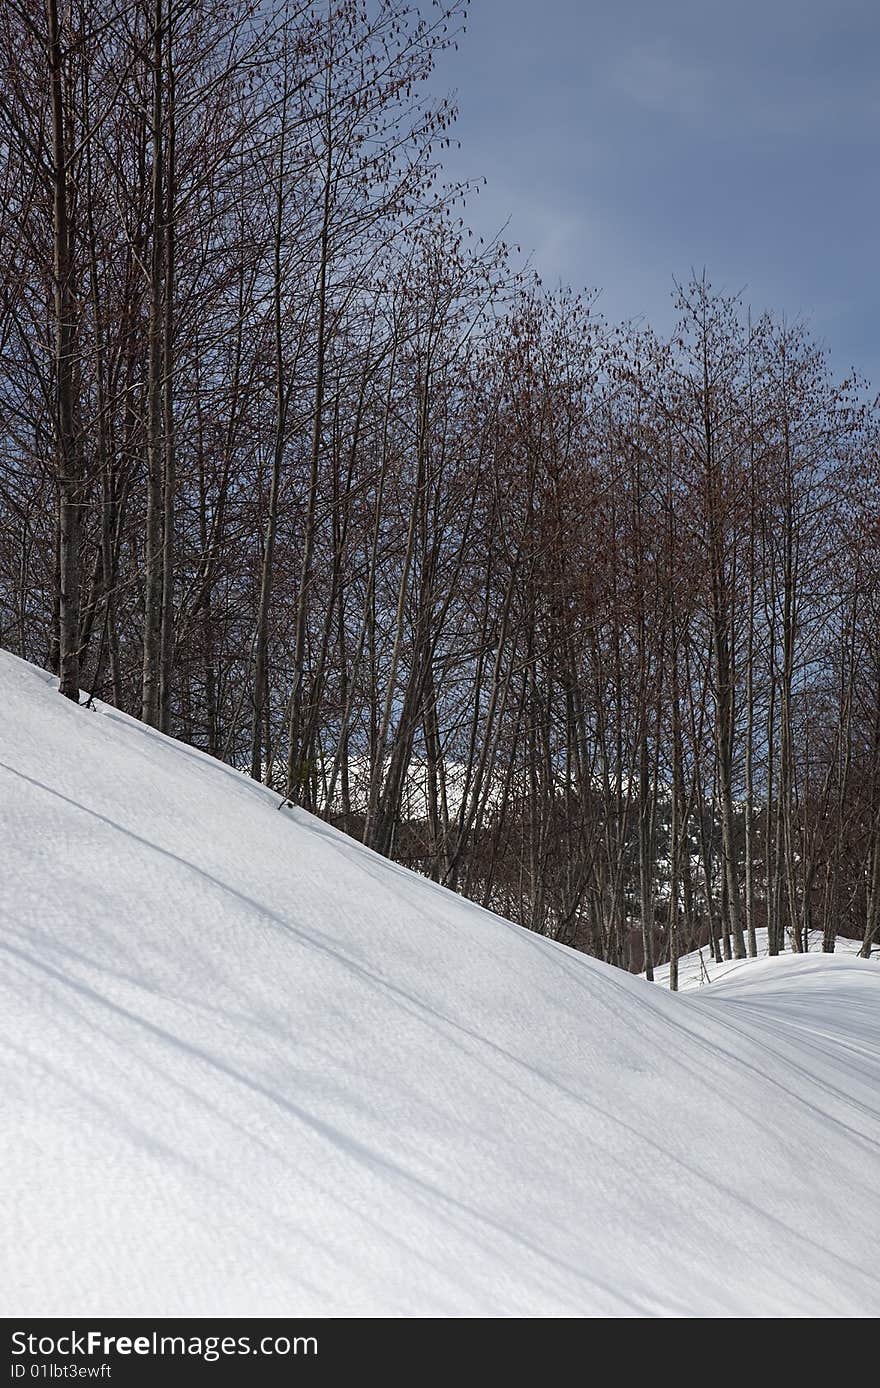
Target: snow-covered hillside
698,968
249,1067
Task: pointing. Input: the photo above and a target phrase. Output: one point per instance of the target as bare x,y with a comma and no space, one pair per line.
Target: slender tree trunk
69,472
151,707
295,754
259,769
169,478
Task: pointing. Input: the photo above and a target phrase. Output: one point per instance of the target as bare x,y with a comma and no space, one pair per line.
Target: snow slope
698,968
248,1067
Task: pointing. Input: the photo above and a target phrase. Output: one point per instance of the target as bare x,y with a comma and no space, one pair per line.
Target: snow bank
698,968
248,1067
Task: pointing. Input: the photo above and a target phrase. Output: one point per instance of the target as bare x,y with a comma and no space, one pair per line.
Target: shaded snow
249,1067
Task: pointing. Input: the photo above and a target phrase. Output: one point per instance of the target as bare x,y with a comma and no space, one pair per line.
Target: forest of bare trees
581,622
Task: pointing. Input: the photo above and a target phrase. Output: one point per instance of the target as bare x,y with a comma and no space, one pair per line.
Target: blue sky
630,141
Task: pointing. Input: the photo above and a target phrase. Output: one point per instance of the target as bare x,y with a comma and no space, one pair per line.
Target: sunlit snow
249,1067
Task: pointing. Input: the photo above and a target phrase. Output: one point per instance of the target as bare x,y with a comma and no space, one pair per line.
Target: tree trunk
69,472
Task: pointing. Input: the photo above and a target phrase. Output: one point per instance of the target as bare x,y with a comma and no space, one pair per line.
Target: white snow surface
250,1068
698,968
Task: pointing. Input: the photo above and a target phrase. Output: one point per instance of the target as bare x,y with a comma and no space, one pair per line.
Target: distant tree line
582,623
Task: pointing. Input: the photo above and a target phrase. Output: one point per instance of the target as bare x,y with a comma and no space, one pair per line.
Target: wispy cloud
653,75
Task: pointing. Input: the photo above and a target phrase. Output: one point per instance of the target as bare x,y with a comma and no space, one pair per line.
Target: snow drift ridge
250,1067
